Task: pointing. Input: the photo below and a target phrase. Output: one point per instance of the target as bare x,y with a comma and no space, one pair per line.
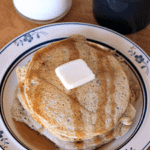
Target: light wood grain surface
12,25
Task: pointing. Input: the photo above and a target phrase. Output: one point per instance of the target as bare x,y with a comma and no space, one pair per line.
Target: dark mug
123,16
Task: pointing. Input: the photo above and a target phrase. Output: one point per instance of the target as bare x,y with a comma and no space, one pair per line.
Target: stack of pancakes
82,118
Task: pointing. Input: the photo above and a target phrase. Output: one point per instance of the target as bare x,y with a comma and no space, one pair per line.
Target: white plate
21,49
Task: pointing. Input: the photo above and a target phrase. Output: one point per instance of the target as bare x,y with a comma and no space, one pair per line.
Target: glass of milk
42,11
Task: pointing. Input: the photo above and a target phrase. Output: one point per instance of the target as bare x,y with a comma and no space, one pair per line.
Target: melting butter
74,73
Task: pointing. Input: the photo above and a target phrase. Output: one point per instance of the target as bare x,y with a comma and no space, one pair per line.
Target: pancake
21,115
92,110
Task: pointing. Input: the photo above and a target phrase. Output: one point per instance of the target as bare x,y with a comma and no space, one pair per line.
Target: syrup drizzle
105,72
101,116
75,105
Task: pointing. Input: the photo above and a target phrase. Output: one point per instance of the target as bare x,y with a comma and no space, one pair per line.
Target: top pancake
86,111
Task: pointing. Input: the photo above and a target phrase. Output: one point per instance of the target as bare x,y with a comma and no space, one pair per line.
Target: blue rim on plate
29,36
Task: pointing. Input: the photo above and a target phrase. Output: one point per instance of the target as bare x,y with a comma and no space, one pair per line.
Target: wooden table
12,25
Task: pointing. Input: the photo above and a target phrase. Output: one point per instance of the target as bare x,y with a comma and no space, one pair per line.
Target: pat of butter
74,73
